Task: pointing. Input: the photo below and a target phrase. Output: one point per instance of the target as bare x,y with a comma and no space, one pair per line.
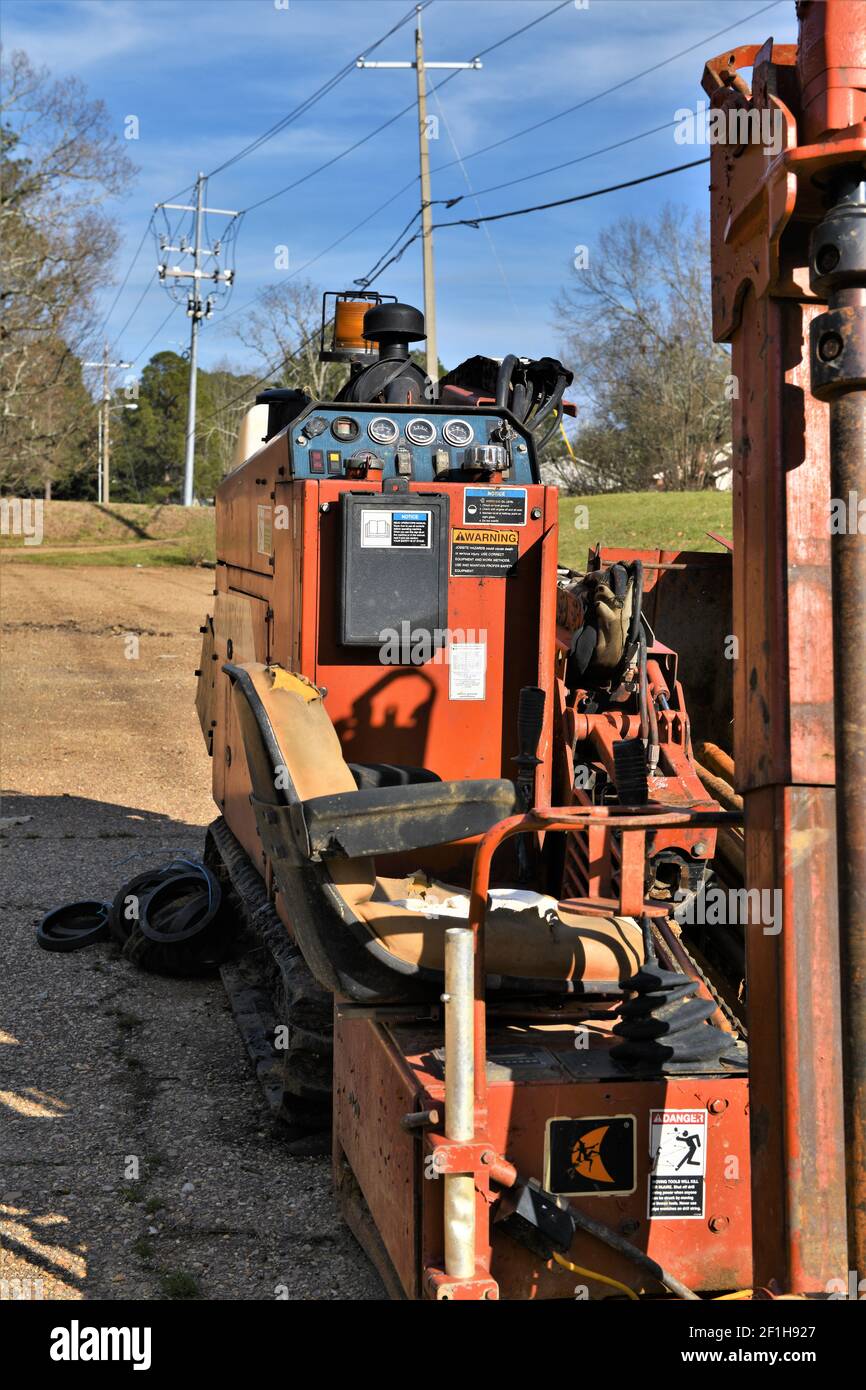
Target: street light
105,408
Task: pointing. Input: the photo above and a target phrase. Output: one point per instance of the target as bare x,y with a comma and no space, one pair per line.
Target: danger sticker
494,506
264,529
483,553
678,1164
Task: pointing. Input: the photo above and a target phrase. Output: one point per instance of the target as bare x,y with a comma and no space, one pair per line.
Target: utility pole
103,492
421,67
195,308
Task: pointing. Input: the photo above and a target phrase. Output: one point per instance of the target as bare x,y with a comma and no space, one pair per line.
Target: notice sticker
467,670
678,1164
386,530
481,553
494,506
264,529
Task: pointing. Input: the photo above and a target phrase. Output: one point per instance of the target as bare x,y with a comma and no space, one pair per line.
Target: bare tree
224,404
59,160
636,321
283,329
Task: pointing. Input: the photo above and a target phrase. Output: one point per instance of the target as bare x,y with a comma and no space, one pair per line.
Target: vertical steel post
767,194
459,1204
837,269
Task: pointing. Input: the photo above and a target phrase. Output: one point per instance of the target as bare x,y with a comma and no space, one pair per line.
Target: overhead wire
608,91
344,236
316,96
537,207
129,271
487,232
138,304
470,222
173,310
461,160
248,149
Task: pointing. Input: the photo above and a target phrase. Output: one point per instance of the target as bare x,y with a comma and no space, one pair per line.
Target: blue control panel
421,443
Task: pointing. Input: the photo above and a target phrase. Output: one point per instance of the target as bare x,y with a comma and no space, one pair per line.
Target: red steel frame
479,1157
762,209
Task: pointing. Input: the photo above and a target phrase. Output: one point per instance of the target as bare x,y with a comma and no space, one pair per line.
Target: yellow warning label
499,536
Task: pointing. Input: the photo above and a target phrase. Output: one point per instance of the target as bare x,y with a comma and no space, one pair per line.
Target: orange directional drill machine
532,1074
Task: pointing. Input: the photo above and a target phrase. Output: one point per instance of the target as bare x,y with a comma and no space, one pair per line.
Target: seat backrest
290,742
293,753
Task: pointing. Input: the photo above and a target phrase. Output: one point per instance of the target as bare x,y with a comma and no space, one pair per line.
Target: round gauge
345,428
458,433
382,430
315,426
420,431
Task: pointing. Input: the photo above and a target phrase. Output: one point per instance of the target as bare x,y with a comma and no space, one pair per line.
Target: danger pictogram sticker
678,1164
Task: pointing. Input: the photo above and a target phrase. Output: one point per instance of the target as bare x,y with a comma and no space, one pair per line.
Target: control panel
434,443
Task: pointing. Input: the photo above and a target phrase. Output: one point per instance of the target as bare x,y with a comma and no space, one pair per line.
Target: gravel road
137,1159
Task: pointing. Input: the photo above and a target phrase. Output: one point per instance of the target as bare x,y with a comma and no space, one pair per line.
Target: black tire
119,924
73,926
184,928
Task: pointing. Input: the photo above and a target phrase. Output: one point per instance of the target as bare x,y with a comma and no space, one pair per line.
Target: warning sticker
592,1155
265,529
678,1164
387,530
492,554
467,670
494,506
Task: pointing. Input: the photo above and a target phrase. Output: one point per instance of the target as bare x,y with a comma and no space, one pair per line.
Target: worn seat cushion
528,936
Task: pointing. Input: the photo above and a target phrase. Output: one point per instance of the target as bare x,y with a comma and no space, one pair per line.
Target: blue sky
204,77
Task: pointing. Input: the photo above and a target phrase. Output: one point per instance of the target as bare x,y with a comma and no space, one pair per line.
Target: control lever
530,720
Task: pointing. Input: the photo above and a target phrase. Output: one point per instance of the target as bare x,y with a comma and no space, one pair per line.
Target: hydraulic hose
631,1252
503,378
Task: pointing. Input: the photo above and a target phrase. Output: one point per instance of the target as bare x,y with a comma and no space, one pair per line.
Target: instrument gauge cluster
458,433
420,431
382,430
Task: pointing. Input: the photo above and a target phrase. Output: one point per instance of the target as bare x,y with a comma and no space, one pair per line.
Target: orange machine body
282,523
276,598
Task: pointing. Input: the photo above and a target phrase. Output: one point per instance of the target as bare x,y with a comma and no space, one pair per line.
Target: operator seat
370,937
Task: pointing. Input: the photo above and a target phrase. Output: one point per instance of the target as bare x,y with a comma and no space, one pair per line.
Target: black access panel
394,566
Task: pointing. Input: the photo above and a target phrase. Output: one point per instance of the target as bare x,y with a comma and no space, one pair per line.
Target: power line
522,30
555,168
465,222
138,305
127,275
173,310
537,207
266,135
344,236
487,232
315,97
451,202
398,114
608,91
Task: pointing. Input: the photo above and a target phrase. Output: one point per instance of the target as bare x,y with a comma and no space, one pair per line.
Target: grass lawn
85,533
642,521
